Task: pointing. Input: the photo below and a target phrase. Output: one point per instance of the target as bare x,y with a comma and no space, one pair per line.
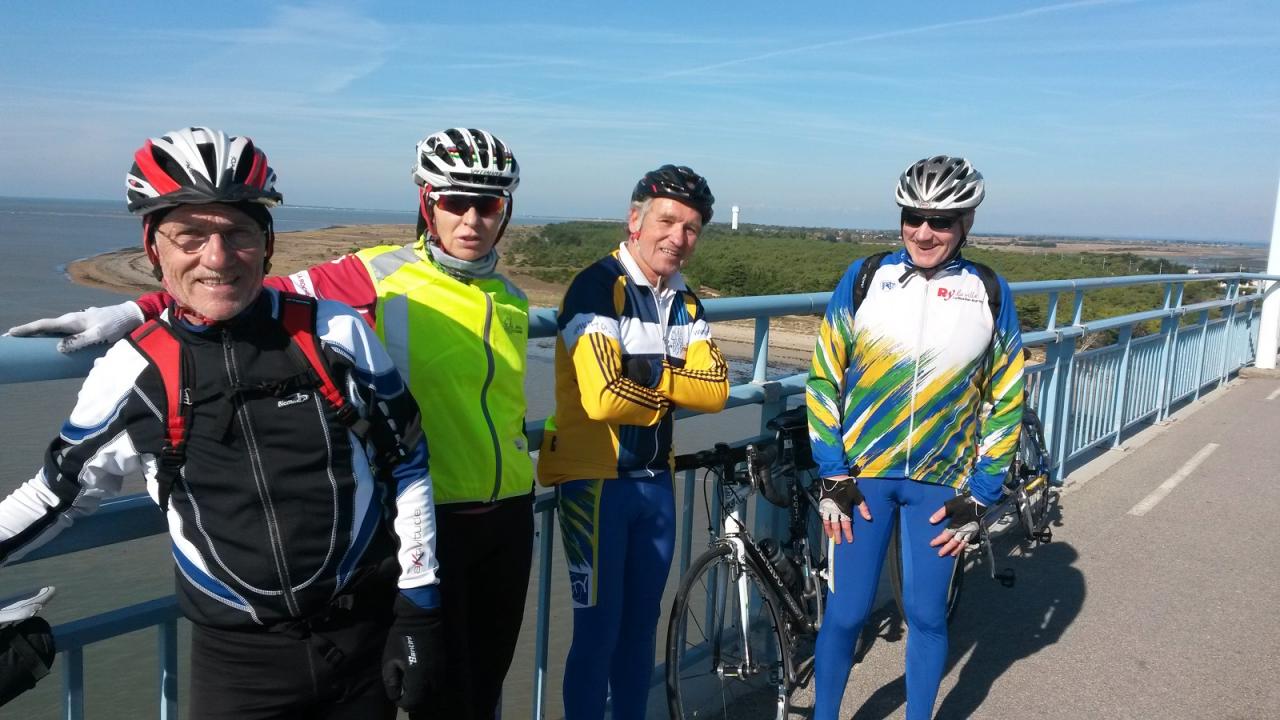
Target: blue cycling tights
619,536
855,577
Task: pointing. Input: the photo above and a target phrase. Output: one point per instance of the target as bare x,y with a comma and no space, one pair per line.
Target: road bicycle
742,627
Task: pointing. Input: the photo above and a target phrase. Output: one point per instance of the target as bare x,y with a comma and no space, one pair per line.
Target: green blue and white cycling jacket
922,384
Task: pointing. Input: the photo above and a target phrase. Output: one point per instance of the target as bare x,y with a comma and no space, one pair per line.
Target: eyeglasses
485,205
937,222
192,240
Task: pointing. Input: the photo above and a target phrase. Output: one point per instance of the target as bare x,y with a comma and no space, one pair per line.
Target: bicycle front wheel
727,649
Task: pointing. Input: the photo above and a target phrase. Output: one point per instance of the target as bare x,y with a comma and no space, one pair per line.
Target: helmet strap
270,248
149,245
425,206
506,217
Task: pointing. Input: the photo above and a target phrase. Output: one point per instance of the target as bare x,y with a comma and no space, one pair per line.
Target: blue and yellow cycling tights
619,536
855,576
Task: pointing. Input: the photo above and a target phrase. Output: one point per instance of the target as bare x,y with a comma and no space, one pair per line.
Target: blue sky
1093,117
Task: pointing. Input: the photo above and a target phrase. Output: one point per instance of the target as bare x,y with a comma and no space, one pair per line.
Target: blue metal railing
1086,399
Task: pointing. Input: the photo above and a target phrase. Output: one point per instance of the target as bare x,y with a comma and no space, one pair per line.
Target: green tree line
760,260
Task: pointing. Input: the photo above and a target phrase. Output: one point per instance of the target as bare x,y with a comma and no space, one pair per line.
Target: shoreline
128,271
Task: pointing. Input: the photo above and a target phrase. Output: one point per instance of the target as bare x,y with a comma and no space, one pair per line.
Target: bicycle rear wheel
954,584
720,663
1033,461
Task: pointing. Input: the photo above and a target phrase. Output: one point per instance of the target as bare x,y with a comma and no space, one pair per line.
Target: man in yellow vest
457,330
633,345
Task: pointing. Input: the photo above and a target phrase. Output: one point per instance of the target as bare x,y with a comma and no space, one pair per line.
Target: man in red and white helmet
458,331
278,437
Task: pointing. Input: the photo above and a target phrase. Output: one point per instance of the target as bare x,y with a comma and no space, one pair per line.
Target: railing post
1077,308
546,528
769,520
1064,369
1228,333
73,684
686,520
167,648
1122,383
1204,344
760,351
1168,330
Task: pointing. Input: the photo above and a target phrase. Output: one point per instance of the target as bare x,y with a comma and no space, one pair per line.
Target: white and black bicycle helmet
468,160
196,166
941,183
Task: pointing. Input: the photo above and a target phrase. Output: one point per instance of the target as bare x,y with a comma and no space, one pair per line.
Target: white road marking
1167,486
1274,394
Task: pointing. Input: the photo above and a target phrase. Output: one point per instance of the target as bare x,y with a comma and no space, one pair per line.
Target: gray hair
641,208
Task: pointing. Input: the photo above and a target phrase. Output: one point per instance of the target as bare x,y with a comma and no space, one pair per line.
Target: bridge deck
1169,614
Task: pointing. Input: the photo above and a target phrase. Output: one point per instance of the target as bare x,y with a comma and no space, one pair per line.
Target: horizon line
571,218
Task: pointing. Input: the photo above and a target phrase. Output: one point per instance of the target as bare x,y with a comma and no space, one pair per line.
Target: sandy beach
128,271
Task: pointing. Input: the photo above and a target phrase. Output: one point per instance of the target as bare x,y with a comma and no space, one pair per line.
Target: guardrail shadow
995,626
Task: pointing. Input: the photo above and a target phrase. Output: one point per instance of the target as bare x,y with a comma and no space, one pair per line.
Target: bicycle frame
733,531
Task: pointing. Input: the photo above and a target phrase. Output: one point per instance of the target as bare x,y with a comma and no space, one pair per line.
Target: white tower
735,217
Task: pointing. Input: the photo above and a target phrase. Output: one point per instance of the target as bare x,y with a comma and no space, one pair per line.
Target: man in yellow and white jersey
633,345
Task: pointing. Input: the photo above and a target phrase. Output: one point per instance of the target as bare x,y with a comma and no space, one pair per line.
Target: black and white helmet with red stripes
467,160
196,166
941,183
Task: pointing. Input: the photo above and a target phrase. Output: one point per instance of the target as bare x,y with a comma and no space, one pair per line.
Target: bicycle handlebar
724,458
720,457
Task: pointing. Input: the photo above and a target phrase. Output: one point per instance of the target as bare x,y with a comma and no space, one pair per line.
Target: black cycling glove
413,663
964,513
837,499
643,371
26,654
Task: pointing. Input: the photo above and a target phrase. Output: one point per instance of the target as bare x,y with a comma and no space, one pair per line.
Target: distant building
735,217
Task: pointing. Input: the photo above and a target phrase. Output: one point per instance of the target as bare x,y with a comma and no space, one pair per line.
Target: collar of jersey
904,257
672,284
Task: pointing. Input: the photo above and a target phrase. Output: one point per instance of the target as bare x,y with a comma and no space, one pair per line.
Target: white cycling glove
90,326
20,607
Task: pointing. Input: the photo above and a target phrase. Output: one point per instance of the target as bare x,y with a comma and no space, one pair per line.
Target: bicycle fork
742,600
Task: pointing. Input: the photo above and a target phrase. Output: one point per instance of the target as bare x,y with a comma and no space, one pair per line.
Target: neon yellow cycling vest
460,347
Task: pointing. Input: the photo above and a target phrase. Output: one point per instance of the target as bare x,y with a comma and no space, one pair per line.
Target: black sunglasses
459,204
937,222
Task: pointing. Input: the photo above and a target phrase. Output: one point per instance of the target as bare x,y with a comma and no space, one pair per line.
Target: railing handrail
37,359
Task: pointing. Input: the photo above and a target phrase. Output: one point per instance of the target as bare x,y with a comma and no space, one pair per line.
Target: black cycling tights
273,676
485,557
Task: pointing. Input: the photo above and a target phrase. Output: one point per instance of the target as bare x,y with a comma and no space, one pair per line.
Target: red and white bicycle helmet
466,160
941,183
197,166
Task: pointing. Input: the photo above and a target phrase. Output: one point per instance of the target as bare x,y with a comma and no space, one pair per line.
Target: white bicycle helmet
198,166
941,183
468,160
